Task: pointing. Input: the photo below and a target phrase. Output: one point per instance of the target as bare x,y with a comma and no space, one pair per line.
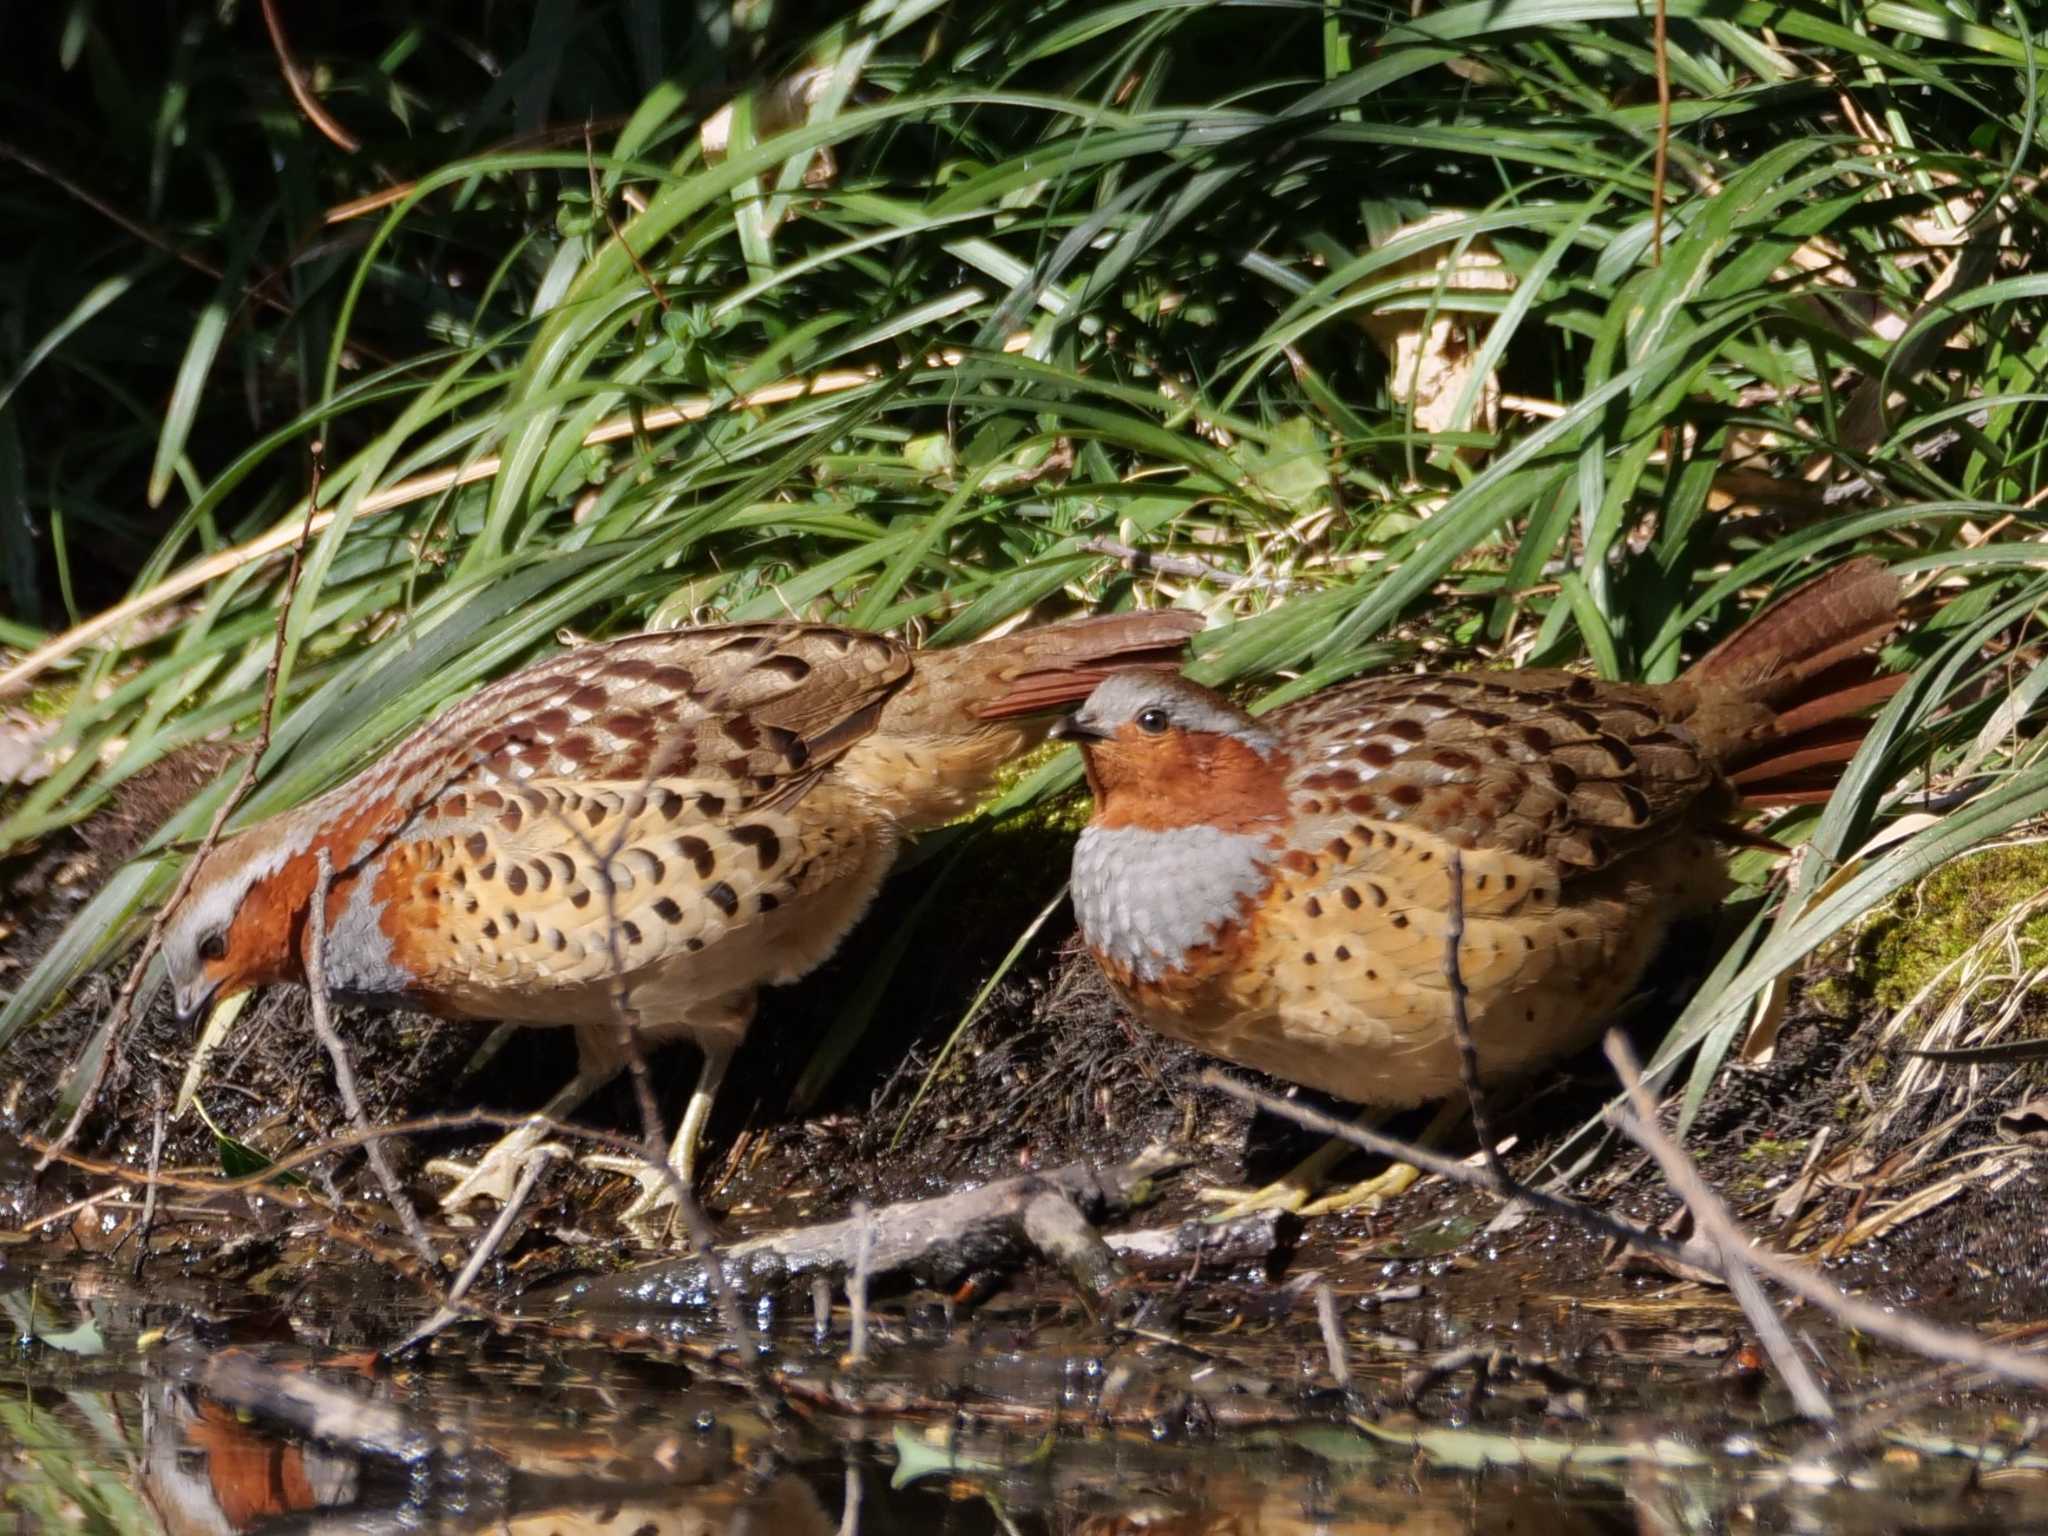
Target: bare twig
295,82
1953,1345
857,1286
252,293
344,1069
1333,1336
653,1148
849,1510
124,1004
1191,567
1719,1228
450,1310
1698,1255
156,1163
1907,1331
821,1308
935,1239
1461,1016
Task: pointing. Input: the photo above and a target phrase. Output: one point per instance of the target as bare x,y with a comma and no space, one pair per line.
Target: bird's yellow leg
658,1185
1295,1190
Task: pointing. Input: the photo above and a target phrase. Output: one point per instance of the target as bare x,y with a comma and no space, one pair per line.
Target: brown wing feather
1544,764
764,707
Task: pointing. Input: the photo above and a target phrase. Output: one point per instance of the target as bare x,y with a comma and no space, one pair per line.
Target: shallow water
172,1405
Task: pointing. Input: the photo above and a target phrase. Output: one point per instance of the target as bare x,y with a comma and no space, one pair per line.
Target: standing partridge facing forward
1276,891
652,827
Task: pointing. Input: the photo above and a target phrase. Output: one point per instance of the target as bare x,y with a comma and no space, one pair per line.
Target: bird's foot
1368,1194
497,1173
653,1210
1281,1197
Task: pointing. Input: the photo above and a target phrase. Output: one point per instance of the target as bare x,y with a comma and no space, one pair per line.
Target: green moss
1773,1151
1929,927
50,701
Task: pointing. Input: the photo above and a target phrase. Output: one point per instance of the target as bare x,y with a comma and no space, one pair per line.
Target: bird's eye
214,947
1154,721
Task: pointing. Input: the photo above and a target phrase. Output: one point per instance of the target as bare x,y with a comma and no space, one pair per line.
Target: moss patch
1931,926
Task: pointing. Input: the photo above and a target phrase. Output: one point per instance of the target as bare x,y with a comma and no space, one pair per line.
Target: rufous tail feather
1807,662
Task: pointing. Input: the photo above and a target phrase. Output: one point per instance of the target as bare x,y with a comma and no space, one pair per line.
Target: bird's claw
496,1174
656,1202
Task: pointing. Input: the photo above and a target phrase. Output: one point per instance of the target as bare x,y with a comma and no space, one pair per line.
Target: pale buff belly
1354,999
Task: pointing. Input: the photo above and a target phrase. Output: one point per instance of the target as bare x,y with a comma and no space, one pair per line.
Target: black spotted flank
699,853
766,845
723,897
666,909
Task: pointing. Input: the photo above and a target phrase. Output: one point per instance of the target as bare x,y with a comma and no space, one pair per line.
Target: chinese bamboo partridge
652,827
1275,891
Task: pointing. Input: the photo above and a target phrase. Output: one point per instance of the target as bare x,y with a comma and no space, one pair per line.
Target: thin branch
857,1286
344,1070
1190,567
1952,1345
1698,1255
295,82
124,1004
450,1310
252,293
156,1163
1713,1220
1333,1336
1461,1015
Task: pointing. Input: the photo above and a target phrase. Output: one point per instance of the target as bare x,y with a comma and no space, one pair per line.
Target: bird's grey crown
1123,696
1145,897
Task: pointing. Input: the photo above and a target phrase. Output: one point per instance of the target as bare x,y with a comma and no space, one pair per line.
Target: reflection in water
122,1416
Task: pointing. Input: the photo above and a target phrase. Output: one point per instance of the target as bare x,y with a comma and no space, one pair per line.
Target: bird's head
1164,752
238,925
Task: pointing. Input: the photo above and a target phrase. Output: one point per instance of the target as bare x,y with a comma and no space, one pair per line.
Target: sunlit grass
1030,286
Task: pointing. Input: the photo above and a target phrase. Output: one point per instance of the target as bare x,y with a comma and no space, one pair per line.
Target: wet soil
1499,1375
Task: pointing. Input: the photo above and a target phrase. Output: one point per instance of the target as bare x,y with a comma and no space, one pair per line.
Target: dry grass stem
1931,1340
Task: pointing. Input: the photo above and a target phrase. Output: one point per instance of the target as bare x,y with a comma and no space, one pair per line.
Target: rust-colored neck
1185,779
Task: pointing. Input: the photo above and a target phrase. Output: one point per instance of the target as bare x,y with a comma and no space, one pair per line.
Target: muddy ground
1498,1375
1048,1073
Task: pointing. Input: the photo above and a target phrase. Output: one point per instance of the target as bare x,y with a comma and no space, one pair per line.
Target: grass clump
1370,335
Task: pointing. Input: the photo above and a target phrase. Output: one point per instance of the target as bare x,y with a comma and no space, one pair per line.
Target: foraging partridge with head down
1276,891
654,826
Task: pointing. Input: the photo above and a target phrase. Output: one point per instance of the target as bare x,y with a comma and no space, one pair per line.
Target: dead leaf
1428,349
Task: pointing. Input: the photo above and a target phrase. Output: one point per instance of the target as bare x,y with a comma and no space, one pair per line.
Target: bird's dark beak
190,1003
1074,728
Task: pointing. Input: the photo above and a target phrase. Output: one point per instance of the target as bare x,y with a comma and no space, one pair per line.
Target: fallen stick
1711,1217
450,1311
1049,1214
1482,1178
